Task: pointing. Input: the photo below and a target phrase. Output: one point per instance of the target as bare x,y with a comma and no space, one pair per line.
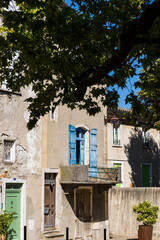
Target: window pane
7,150
77,133
116,137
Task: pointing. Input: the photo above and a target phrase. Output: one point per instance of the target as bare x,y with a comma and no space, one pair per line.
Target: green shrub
146,213
5,222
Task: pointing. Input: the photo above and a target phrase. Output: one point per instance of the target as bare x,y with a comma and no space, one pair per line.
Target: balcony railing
105,174
85,174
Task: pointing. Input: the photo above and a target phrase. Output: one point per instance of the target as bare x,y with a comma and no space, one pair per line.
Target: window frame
12,151
54,114
119,133
145,144
72,143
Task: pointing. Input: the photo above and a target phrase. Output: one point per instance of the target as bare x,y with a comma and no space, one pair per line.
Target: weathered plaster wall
131,154
55,144
58,134
121,202
27,165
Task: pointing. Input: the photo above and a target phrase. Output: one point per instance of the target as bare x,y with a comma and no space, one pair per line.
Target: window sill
8,162
6,91
116,145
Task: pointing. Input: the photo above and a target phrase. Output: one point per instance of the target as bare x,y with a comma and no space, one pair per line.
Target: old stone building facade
133,149
55,177
20,164
75,159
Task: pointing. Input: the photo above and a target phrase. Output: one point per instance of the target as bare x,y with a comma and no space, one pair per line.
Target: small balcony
83,174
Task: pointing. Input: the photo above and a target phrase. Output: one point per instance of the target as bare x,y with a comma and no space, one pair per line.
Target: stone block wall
122,220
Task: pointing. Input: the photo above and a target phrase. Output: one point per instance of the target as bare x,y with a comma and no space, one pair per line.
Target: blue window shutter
72,145
93,153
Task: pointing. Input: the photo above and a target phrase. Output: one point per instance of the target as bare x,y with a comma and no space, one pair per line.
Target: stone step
50,231
54,238
52,234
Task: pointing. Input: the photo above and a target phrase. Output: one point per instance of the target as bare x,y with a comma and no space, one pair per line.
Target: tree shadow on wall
138,155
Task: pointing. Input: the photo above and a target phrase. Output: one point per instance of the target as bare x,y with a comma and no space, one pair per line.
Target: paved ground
125,238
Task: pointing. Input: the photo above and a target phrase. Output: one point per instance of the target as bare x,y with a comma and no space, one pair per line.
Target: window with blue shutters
76,145
93,153
72,145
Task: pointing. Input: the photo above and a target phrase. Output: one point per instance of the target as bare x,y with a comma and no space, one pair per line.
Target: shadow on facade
90,207
138,156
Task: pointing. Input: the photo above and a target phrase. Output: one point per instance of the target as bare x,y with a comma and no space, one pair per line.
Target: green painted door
13,204
116,165
145,175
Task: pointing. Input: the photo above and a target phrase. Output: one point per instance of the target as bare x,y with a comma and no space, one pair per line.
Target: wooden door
145,175
49,202
83,204
13,204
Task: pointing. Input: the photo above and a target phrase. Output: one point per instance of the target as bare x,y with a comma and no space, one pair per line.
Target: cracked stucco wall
27,164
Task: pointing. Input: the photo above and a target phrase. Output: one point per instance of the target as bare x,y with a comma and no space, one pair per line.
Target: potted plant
147,214
5,222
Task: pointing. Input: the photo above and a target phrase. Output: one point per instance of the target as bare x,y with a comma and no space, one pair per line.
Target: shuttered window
77,148
93,153
72,145
76,145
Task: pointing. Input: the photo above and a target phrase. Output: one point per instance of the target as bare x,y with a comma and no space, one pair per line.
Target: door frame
86,142
23,200
150,173
49,170
122,167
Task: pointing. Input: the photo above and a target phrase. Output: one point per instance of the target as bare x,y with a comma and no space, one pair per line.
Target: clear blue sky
124,92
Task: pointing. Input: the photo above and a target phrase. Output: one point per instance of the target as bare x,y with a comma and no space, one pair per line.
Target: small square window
9,151
54,113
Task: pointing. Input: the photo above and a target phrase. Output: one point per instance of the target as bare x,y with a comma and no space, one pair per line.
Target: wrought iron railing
105,174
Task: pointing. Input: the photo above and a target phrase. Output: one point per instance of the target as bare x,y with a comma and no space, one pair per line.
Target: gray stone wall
122,220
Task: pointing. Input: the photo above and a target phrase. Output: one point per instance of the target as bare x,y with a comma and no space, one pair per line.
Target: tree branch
127,41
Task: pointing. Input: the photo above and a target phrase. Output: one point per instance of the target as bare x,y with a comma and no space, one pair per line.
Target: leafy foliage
146,213
5,222
148,102
71,55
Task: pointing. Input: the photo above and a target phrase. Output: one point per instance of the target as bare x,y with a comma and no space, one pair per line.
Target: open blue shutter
93,153
72,145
